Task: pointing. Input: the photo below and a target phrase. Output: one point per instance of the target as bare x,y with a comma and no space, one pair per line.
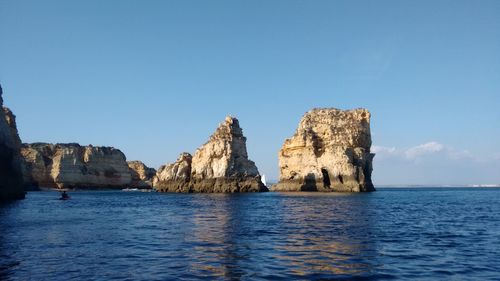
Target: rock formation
75,166
142,175
10,118
220,165
175,177
11,121
330,151
11,176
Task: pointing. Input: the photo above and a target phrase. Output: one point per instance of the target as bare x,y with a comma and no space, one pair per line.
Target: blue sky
154,78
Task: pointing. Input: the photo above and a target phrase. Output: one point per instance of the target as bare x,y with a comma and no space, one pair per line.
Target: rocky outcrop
142,175
330,151
10,118
11,121
220,165
175,177
11,176
74,166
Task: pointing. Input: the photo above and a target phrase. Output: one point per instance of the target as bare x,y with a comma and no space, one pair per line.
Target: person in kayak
64,196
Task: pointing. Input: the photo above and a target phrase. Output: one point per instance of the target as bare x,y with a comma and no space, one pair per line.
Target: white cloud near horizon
433,163
382,149
422,150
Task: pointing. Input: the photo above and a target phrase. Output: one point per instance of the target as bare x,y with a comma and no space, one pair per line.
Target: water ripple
402,234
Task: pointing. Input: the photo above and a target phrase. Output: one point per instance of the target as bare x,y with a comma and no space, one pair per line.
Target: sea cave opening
326,178
341,179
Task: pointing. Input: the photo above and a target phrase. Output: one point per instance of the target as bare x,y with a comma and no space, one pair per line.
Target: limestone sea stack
11,175
220,165
330,151
175,177
74,166
142,175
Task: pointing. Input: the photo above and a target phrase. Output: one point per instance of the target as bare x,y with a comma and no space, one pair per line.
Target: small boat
263,180
64,196
130,189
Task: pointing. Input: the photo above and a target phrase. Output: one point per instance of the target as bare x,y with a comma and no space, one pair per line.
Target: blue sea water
391,234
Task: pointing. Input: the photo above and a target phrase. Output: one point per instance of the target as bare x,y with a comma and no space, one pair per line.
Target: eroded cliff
175,177
74,166
11,175
142,175
330,151
220,165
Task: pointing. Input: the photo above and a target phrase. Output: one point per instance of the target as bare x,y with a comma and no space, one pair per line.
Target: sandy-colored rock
142,175
11,176
74,166
330,151
220,165
174,177
37,159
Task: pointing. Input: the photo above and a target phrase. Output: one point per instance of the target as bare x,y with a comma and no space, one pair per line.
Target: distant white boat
263,180
130,189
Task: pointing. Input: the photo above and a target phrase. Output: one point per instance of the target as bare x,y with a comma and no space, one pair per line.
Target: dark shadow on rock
11,185
309,183
326,178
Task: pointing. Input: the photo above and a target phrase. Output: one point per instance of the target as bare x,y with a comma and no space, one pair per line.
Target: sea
390,234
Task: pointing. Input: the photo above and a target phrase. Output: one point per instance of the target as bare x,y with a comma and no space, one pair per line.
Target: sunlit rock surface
175,177
220,165
142,175
330,151
74,166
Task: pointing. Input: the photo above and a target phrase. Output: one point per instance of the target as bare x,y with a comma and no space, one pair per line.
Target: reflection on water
231,235
7,261
389,234
213,252
324,237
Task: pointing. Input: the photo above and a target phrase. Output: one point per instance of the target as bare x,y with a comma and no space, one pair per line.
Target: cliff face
175,177
142,175
11,176
11,122
10,118
75,166
330,151
220,165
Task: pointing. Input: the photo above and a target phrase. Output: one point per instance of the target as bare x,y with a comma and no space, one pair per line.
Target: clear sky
154,78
